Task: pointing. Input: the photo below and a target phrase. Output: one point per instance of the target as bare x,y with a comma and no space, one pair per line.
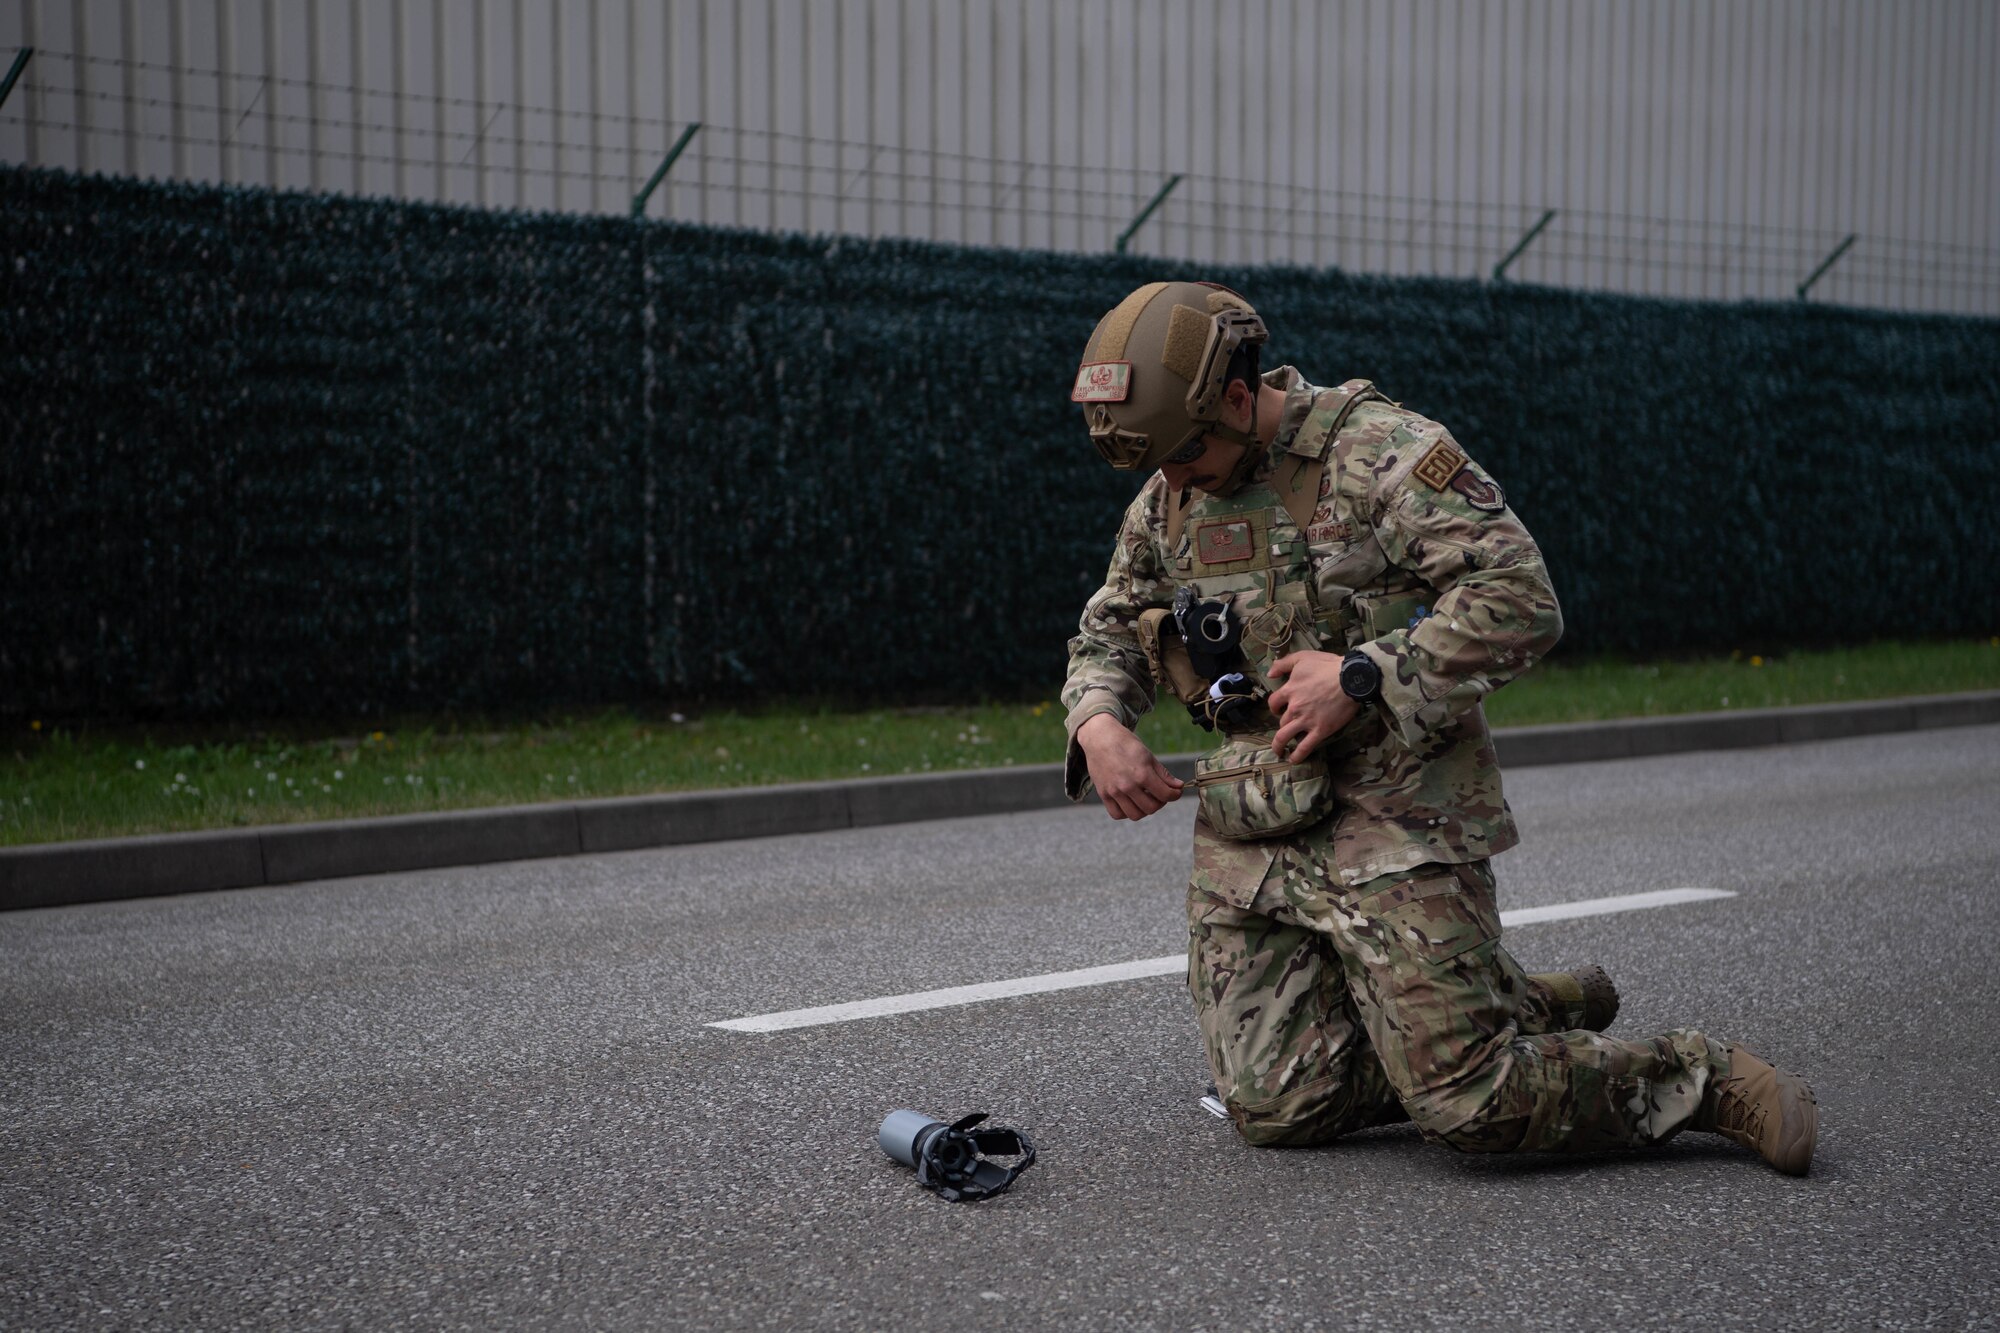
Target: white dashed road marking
1166,965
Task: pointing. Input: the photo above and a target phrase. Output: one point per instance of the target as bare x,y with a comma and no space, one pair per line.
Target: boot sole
1797,1138
1600,997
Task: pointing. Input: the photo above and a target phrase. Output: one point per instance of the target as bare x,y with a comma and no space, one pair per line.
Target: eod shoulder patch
1446,466
1440,465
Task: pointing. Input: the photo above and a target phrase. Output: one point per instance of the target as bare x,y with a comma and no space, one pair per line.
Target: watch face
1360,678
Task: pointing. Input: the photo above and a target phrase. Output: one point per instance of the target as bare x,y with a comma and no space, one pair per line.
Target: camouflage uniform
1352,972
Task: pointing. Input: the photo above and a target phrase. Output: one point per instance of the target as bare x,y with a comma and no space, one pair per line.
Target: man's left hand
1310,706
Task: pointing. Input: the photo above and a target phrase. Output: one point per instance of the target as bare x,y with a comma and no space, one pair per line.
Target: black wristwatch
1360,678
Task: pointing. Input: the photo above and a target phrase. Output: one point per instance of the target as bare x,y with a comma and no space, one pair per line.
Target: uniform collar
1299,397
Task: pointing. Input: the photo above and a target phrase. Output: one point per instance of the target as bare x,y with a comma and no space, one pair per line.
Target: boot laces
1737,1112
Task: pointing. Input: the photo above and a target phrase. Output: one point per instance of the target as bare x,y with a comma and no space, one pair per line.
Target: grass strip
59,783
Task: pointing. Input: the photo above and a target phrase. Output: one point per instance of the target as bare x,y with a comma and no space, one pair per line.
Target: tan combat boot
1584,998
1763,1108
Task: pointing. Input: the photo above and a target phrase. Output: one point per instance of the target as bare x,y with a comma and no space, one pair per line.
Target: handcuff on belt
1214,642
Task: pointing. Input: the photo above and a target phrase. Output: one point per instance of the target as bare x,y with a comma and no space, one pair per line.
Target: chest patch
1440,465
1220,543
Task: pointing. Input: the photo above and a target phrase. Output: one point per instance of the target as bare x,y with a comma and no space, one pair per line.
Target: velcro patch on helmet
1102,382
1187,340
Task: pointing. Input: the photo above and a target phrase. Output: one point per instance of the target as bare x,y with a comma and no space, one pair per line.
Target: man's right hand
1129,780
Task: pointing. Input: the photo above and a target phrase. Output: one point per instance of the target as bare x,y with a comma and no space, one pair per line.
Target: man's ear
1239,397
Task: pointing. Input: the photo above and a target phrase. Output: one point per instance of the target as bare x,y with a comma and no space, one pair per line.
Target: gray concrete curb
59,874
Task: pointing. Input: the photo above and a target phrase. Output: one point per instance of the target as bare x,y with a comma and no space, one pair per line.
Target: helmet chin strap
1253,452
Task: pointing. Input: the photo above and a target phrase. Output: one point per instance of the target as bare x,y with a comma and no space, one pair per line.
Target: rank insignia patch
1220,543
1102,382
1479,492
1440,465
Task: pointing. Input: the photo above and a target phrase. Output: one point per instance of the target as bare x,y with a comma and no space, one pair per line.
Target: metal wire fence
282,454
94,111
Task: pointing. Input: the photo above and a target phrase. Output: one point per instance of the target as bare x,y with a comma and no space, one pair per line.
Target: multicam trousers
1327,1008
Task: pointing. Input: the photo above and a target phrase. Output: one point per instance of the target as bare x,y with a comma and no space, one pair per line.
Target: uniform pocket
1246,791
1437,917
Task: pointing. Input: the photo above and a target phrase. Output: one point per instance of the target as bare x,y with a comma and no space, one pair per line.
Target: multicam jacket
1410,556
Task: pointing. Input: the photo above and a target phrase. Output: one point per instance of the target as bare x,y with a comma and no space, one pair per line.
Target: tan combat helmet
1153,372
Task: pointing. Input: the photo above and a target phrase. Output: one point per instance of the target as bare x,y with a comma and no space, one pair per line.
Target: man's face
1214,466
1217,461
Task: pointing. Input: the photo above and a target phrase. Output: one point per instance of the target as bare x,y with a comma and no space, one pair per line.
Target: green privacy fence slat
271,453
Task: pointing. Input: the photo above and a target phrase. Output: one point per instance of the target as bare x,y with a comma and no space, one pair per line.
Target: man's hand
1310,705
1129,780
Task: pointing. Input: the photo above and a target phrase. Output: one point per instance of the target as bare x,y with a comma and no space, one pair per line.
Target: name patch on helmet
1102,382
1220,543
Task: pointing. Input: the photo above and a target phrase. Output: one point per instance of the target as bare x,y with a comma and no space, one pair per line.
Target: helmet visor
1130,451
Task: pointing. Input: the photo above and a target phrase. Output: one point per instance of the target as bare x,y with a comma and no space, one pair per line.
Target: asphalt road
487,1097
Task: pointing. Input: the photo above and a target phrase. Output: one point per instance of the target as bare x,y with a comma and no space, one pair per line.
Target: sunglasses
1190,449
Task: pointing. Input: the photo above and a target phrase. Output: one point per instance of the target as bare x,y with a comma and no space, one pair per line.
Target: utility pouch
1389,612
1284,626
1167,656
1247,792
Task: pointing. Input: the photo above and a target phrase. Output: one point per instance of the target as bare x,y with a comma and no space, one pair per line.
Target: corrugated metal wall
1708,148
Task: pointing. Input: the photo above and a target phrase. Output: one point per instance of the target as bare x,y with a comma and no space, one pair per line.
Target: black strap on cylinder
954,1160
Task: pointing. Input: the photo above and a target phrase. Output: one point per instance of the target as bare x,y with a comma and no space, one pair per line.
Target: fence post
20,63
1146,212
1825,264
639,199
1500,269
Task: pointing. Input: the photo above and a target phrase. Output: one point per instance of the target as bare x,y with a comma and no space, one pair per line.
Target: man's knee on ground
1314,1114
1269,1134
